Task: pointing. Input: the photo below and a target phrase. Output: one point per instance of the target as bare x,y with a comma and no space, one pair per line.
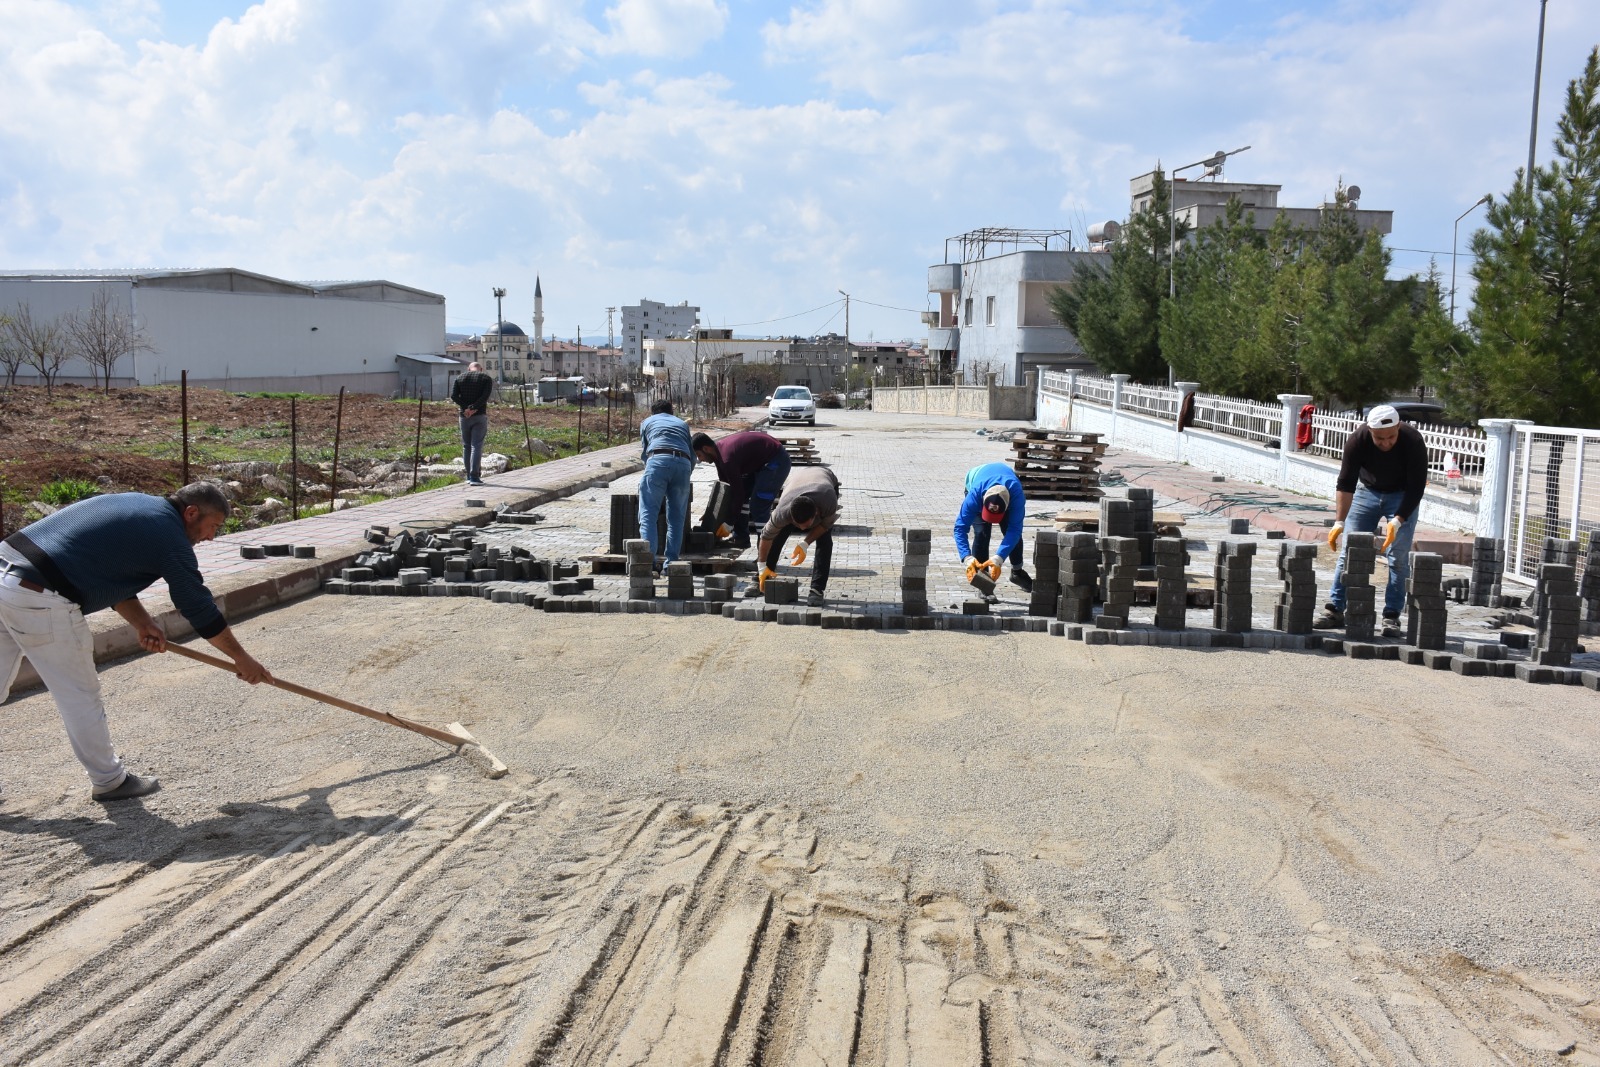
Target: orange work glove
798,556
993,567
761,581
1391,531
972,567
1333,536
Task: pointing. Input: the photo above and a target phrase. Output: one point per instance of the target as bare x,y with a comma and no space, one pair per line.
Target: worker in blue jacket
994,497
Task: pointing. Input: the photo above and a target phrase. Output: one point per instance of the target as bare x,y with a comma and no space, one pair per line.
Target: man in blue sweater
993,497
668,462
100,553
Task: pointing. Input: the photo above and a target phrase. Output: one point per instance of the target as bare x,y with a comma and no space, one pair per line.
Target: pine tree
1361,336
1211,331
1534,320
1114,310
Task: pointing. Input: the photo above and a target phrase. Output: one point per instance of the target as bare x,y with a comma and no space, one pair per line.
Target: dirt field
131,439
730,843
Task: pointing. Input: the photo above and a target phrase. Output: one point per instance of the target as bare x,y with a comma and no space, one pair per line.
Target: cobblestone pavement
901,472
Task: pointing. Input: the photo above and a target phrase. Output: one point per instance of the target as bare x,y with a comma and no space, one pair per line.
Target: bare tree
11,354
43,343
103,333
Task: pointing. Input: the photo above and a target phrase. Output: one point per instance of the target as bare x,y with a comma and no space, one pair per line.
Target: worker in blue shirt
668,461
100,553
993,497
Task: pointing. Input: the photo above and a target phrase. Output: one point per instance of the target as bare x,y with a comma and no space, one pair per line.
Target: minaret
538,323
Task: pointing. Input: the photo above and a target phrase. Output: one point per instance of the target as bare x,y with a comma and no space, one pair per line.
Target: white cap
1383,416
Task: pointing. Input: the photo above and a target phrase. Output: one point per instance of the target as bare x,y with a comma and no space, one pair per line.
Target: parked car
792,403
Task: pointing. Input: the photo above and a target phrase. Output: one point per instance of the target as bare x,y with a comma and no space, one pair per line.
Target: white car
792,403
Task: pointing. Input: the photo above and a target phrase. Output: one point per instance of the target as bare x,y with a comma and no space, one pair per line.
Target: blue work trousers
1367,509
666,478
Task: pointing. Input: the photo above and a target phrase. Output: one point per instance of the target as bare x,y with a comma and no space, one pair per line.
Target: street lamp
1484,199
1538,69
1213,162
499,336
846,296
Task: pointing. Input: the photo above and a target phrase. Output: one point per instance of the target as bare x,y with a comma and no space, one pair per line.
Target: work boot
814,599
1330,619
134,785
1022,579
1391,626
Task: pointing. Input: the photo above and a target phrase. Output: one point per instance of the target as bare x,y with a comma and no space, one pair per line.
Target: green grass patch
67,491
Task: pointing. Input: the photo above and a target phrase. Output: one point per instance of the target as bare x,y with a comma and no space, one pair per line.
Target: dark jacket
471,392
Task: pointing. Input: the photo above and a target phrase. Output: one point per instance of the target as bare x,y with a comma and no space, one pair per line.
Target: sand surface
735,843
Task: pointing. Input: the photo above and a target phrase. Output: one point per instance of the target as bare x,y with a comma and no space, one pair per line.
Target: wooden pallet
801,452
1058,464
1078,521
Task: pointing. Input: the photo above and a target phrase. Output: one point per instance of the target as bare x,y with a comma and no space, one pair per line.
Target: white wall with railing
1255,441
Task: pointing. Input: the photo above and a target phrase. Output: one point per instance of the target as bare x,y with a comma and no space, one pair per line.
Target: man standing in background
471,394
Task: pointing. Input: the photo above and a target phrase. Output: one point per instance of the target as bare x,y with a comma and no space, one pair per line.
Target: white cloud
663,27
313,139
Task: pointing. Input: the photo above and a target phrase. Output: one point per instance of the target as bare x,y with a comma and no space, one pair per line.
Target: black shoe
134,785
1022,579
814,599
1330,619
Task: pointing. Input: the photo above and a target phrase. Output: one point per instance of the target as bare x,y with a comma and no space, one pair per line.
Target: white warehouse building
232,329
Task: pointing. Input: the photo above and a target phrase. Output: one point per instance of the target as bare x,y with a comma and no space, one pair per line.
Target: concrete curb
289,579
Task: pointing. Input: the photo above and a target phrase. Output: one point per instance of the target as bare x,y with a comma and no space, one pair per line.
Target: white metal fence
1455,454
1237,418
1555,492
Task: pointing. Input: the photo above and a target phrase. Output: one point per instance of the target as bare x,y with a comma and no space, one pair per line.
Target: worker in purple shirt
754,465
100,553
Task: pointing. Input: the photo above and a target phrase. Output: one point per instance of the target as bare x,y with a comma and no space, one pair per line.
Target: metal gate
1554,492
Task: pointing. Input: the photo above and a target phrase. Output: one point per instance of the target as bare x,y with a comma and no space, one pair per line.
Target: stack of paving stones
917,545
1119,579
1079,555
1560,551
640,567
1046,595
1590,589
782,590
1119,517
1172,582
1559,614
1427,615
1297,604
1488,565
1230,609
624,520
680,580
1360,597
719,588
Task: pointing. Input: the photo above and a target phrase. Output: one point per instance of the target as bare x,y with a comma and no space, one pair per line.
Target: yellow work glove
798,556
993,567
1390,532
723,531
761,581
972,567
1333,536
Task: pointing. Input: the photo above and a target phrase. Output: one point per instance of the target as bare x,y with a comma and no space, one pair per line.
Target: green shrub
66,491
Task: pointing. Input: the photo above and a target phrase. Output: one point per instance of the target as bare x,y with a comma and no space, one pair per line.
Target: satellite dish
1353,193
1217,159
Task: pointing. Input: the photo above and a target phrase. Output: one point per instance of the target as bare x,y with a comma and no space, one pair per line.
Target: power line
888,307
781,318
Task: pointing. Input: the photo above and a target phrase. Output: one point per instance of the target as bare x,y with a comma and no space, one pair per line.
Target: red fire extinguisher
1304,432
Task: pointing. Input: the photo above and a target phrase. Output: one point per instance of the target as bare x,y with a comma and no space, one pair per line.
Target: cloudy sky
749,157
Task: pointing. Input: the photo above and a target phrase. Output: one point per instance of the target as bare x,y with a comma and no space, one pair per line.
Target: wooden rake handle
449,738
